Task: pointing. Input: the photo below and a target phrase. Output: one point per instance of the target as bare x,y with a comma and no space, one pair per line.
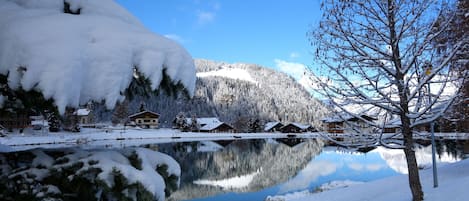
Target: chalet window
146,120
154,120
139,121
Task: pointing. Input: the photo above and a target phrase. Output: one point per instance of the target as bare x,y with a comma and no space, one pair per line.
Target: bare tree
378,55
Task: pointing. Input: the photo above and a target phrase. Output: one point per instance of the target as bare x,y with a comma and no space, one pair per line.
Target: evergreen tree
142,107
181,122
254,126
121,113
194,124
54,123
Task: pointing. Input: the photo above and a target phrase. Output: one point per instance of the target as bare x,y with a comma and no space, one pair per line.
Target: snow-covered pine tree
54,123
181,122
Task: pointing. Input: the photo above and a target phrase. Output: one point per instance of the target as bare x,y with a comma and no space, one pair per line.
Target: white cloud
310,173
296,70
299,72
205,17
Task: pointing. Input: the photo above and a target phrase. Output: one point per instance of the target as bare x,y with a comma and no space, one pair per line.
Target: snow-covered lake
260,169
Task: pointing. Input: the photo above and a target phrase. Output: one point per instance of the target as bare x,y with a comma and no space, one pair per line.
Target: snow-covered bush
130,174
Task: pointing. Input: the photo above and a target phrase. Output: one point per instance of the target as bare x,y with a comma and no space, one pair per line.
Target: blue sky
266,32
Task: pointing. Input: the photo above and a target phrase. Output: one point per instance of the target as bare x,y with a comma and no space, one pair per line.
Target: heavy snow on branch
74,51
360,61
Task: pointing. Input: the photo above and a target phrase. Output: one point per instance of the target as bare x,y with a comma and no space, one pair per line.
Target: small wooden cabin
145,119
273,126
295,128
219,127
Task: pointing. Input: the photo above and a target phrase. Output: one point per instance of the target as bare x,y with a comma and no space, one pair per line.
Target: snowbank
136,165
90,56
453,182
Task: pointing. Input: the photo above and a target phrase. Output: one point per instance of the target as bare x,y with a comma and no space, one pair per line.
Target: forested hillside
236,93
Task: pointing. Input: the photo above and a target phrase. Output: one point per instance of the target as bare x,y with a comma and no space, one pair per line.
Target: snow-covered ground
453,182
118,138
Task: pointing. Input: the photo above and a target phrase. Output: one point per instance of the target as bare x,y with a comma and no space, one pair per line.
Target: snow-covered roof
143,112
346,117
301,126
270,125
212,126
334,119
90,56
204,120
82,112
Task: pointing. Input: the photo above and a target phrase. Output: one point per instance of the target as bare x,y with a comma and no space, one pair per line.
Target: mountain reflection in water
253,169
264,163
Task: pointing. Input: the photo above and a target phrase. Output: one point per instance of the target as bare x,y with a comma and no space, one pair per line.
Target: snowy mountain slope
79,50
228,72
264,94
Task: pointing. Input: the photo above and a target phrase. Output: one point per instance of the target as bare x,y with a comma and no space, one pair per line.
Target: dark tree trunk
412,167
414,178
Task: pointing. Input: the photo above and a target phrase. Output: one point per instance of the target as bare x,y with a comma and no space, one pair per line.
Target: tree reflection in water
265,162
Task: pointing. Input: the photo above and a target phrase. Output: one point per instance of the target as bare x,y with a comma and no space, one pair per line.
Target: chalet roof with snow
338,119
204,121
82,112
144,114
301,126
270,125
213,126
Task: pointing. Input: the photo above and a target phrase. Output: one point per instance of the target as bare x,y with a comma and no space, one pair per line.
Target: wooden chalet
393,126
273,126
84,116
218,127
348,124
295,128
145,119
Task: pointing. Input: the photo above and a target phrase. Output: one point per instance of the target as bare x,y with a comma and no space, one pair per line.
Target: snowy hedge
130,174
75,51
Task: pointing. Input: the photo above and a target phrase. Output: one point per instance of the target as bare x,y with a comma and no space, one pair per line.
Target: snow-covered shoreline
113,137
118,137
